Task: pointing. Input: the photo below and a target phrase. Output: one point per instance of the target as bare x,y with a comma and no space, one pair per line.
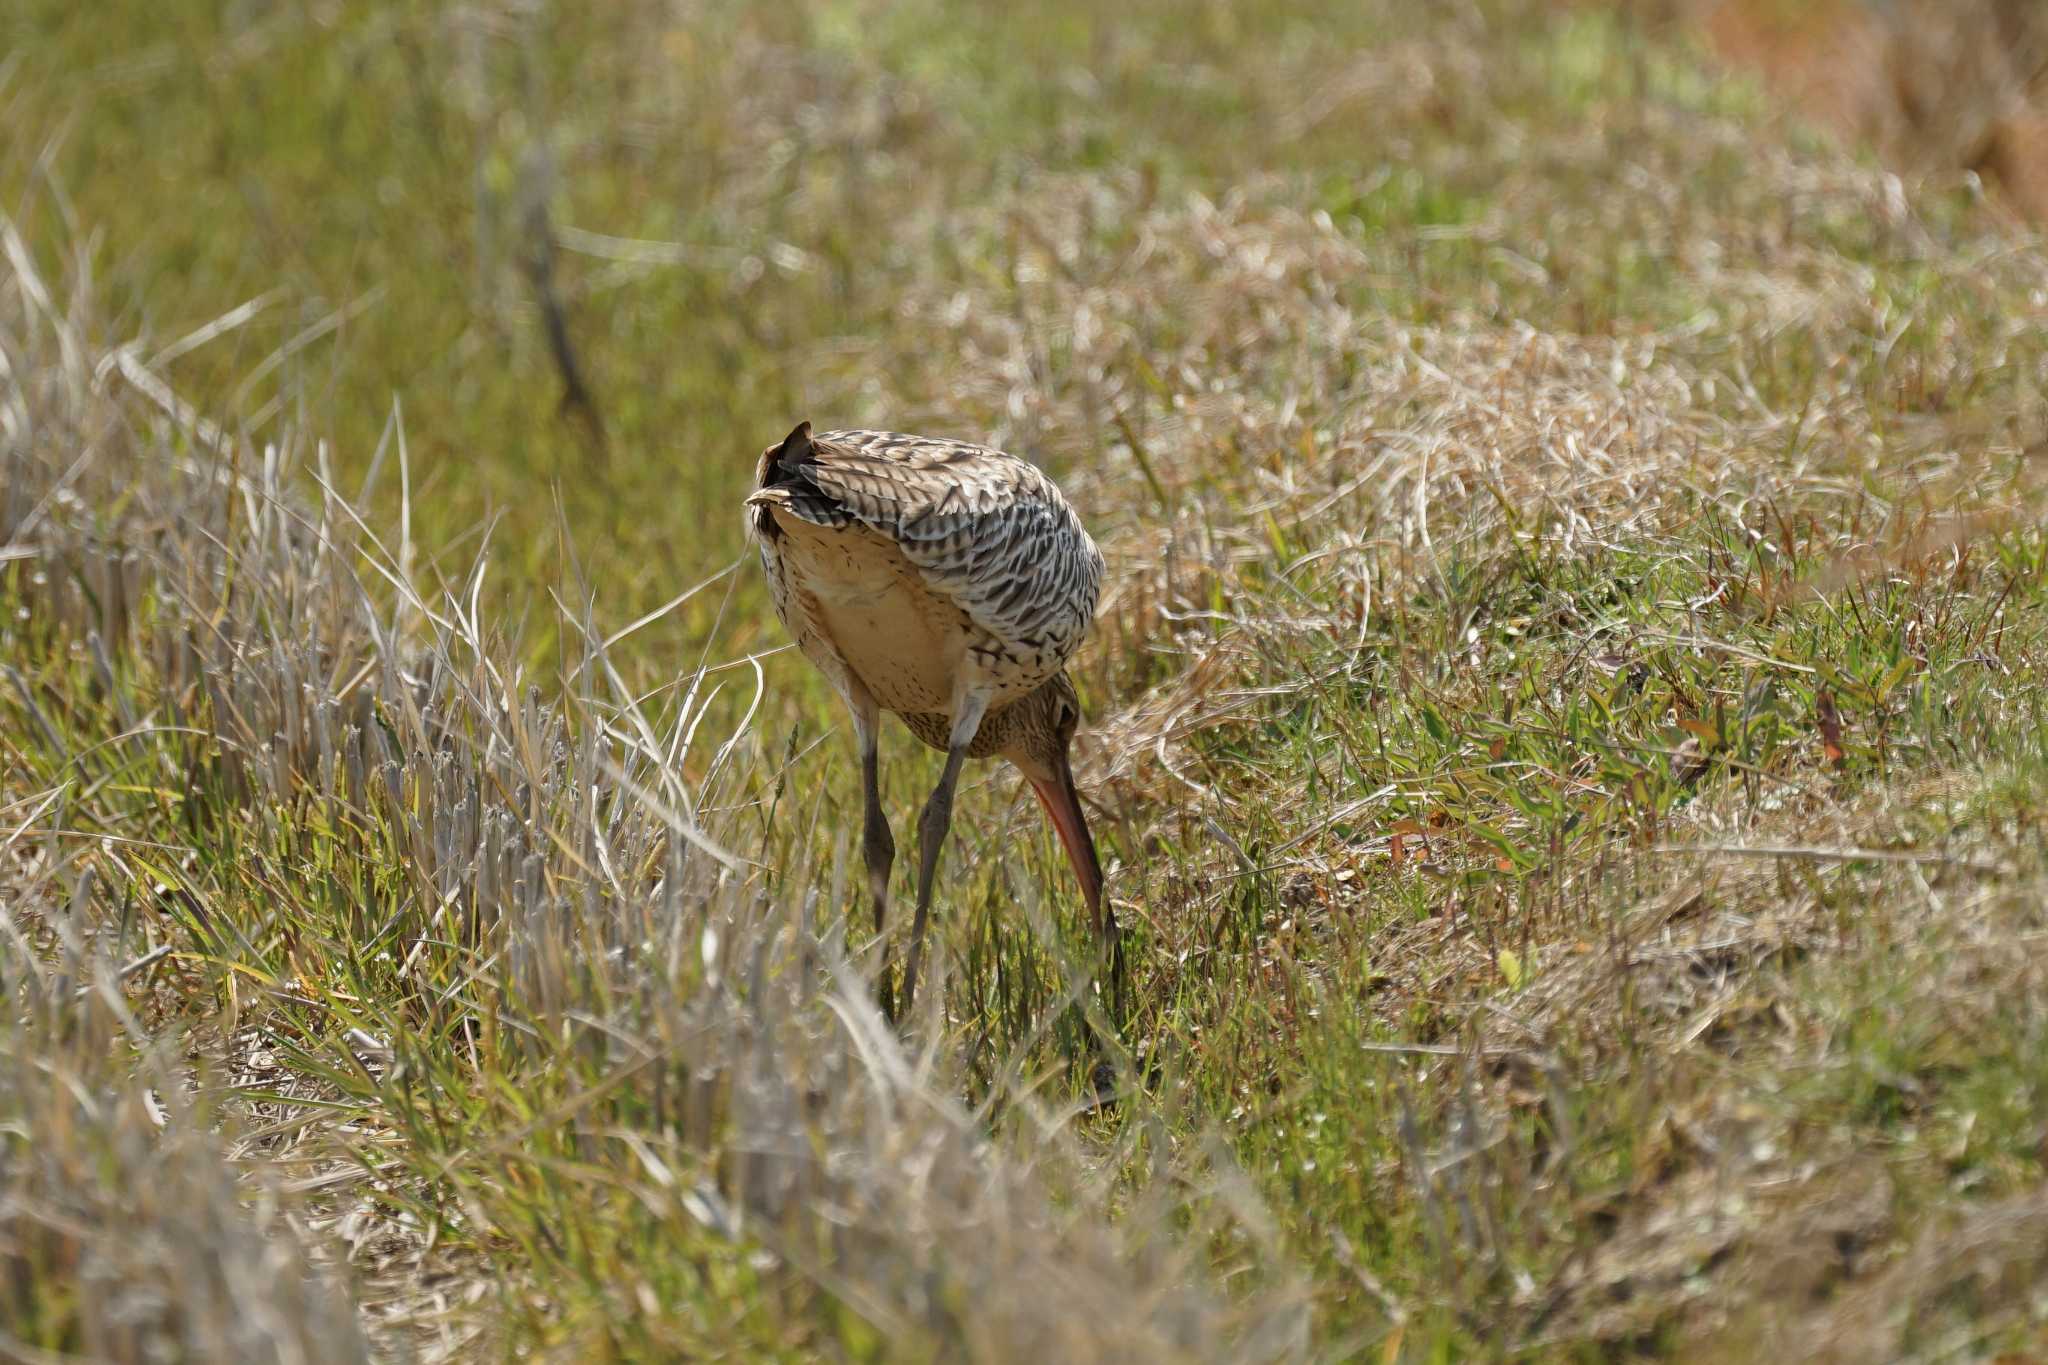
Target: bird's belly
904,644
856,605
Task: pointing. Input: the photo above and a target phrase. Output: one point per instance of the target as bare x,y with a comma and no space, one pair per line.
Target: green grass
1566,714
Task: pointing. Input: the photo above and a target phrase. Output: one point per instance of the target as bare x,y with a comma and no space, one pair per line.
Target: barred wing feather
984,528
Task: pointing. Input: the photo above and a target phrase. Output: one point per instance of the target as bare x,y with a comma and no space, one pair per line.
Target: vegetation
1567,725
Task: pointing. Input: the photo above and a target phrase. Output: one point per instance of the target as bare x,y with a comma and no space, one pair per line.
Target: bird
949,584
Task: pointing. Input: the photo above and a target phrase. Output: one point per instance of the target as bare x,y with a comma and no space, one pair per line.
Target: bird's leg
931,835
877,845
932,827
879,848
1109,945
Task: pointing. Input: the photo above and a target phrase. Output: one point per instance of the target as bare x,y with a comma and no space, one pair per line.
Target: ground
1564,718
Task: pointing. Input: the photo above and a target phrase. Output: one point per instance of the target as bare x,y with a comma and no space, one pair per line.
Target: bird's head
1040,739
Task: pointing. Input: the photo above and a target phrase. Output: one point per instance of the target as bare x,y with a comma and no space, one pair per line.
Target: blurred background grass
721,203
729,194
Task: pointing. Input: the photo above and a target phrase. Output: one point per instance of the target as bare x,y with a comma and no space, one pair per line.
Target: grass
1566,725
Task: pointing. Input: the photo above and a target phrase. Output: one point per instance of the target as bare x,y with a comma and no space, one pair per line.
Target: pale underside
862,613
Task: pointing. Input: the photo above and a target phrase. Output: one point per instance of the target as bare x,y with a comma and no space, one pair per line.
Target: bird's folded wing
986,529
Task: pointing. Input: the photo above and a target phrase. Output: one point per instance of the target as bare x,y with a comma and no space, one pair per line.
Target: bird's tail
784,463
780,483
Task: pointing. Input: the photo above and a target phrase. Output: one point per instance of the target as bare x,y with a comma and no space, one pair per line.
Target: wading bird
948,583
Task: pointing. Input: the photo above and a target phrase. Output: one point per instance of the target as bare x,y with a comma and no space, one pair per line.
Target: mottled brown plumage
948,583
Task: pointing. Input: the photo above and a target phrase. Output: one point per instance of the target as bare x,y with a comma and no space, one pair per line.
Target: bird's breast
857,604
853,596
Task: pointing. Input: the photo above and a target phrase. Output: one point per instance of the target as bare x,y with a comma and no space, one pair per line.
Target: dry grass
1568,744
1932,86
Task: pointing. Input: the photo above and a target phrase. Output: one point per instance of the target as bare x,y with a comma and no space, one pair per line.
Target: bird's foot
1102,1079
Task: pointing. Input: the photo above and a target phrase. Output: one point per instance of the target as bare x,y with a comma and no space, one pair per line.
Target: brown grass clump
1936,86
1278,430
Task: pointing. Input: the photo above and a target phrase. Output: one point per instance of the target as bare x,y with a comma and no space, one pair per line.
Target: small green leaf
1511,967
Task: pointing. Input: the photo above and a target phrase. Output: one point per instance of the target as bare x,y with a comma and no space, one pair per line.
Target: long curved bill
1062,802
